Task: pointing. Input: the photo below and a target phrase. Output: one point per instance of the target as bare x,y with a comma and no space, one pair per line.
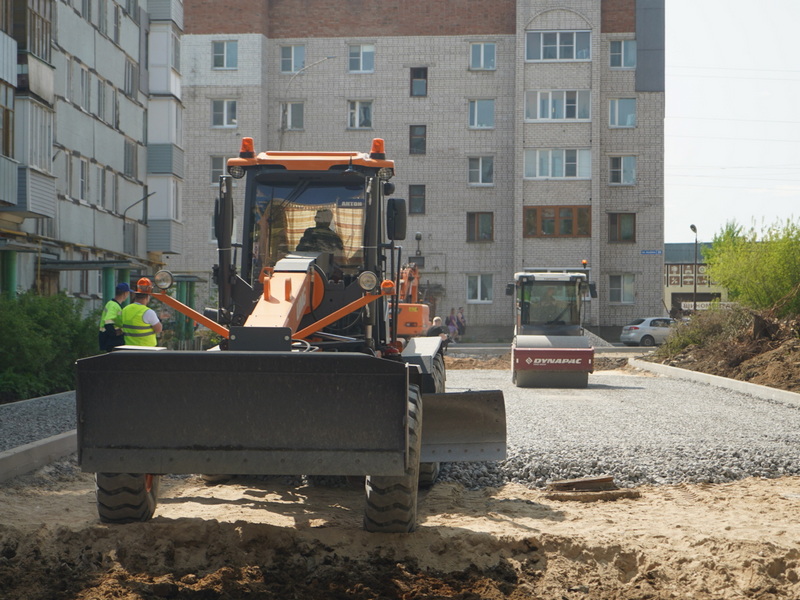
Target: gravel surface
27,421
639,429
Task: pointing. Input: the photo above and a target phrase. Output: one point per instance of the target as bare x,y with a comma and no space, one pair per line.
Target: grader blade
464,426
242,412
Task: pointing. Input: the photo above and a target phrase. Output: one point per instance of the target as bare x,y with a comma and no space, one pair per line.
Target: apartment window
622,170
223,113
292,115
622,112
38,24
293,58
623,54
40,143
419,81
83,180
86,89
102,16
225,54
558,105
557,45
620,288
360,114
117,22
362,58
114,200
101,100
131,159
479,288
556,221
481,170
481,114
6,21
83,276
176,52
480,227
417,139
558,164
622,227
6,120
218,164
114,106
100,187
68,79
131,77
416,199
86,9
482,56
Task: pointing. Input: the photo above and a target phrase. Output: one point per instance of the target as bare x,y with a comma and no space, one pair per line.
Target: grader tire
429,471
126,497
391,501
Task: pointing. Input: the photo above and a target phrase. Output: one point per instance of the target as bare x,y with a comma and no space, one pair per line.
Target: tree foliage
42,337
759,271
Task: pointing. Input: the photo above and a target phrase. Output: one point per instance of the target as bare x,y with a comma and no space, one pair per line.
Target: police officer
139,323
110,335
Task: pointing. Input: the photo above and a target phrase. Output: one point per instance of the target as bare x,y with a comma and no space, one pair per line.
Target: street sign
652,252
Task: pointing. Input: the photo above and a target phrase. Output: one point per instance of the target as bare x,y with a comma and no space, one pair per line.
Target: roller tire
126,497
391,501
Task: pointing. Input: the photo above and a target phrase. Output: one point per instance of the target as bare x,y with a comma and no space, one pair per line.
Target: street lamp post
694,294
285,105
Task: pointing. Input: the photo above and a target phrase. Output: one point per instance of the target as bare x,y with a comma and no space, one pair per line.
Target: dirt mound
758,349
261,538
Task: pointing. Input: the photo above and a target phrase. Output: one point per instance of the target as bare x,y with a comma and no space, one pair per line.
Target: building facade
526,133
93,204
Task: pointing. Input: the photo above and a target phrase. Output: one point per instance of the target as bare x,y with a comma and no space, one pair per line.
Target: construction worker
110,335
139,323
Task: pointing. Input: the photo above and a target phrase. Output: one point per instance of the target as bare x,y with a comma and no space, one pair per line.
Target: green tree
42,337
759,271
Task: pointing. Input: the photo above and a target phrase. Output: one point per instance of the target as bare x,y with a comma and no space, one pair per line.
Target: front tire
391,502
126,497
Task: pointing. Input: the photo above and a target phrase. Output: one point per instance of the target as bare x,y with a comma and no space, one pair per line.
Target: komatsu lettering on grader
550,347
310,377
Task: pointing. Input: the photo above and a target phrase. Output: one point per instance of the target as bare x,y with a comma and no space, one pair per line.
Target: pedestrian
139,323
438,329
452,325
461,322
110,335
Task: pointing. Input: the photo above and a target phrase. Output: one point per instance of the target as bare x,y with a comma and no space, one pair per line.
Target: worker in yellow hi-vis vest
140,324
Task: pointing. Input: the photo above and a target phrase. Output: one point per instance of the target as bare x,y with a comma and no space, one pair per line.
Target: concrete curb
35,455
759,391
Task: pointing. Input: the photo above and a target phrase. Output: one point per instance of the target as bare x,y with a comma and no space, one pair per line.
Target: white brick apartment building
525,133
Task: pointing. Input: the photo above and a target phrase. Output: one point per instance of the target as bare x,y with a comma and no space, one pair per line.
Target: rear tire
647,341
391,502
126,497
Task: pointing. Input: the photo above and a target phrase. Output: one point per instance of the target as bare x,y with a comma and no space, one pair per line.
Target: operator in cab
321,238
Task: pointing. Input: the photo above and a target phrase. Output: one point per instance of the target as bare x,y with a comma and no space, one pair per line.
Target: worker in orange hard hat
140,324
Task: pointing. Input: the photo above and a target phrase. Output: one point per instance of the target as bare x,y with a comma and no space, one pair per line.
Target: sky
732,128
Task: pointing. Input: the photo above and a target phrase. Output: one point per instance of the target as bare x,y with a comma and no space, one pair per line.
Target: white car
647,332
